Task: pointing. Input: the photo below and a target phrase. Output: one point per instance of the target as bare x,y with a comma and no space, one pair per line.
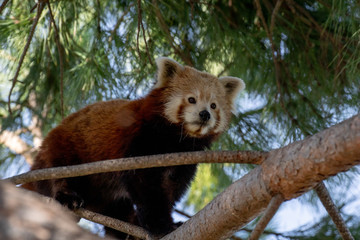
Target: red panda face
199,102
198,111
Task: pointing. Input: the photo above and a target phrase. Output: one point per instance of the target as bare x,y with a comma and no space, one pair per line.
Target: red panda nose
204,115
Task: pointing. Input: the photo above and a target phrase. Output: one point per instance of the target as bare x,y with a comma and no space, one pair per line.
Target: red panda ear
167,69
232,87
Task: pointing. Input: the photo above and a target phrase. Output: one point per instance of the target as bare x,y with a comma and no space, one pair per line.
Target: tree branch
31,34
268,215
165,28
3,5
119,21
330,207
27,215
13,141
58,44
121,164
140,24
138,27
289,171
275,55
116,224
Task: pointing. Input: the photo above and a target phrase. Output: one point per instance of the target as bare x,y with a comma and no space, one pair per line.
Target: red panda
185,111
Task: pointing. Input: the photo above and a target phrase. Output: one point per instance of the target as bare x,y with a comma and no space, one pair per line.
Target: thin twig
3,5
182,213
275,56
113,223
33,8
110,222
173,159
330,207
171,41
138,30
268,215
58,44
274,52
31,34
146,44
119,21
274,14
321,30
140,24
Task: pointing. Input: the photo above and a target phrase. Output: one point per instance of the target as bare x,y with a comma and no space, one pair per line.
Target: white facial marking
180,110
172,108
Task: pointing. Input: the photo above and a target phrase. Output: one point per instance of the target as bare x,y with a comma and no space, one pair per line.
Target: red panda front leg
153,205
65,195
122,209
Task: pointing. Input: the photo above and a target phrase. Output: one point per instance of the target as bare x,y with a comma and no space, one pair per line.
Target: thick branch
13,141
173,159
26,215
289,171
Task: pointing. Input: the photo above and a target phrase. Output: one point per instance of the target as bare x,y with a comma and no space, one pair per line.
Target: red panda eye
192,100
213,105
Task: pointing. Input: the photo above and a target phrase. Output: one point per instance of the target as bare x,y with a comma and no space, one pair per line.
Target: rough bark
289,171
119,225
26,215
332,210
172,159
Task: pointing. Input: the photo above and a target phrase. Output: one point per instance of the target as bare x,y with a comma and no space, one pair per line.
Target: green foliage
311,83
324,229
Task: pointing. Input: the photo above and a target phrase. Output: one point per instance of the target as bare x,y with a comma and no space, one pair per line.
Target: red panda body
179,115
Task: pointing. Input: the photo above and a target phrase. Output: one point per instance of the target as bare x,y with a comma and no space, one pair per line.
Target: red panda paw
177,224
69,199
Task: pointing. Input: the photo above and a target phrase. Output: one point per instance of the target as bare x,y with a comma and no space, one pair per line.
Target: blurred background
300,61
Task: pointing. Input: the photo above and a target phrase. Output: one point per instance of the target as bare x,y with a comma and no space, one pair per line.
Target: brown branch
275,55
140,24
18,201
113,223
33,7
14,143
3,5
58,44
268,215
182,213
289,171
274,51
14,80
292,4
330,207
274,14
119,21
170,39
173,159
146,44
138,27
28,215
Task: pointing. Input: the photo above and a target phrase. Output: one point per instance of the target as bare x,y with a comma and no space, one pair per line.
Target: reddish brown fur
120,128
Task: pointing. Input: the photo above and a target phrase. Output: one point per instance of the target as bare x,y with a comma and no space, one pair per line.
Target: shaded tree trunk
27,215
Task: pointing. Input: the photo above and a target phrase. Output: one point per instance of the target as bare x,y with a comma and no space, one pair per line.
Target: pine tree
299,59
